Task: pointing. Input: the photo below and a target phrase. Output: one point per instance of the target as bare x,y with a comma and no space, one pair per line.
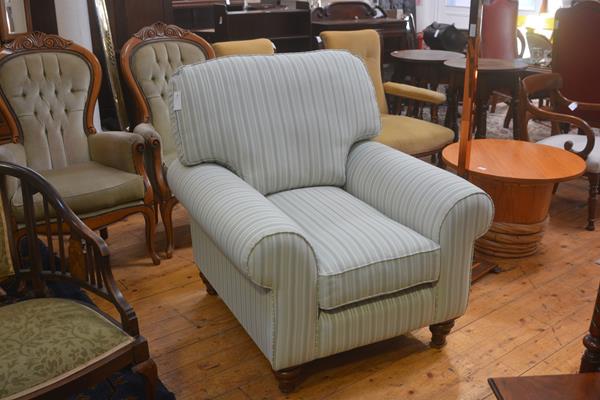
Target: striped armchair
317,239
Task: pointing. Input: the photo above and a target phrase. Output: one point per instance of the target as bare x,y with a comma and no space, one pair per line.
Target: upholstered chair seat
148,60
317,238
409,135
49,87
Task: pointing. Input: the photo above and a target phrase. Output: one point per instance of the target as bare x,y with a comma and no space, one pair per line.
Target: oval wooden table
520,178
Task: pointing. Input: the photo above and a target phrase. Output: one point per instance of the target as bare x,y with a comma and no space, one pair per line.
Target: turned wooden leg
209,289
150,231
104,233
148,370
592,200
439,333
590,362
288,378
166,213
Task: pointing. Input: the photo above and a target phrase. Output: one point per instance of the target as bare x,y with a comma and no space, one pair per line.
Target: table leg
434,108
516,105
481,110
452,111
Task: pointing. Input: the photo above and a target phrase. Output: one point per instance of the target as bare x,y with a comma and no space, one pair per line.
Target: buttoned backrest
365,44
149,59
46,88
279,122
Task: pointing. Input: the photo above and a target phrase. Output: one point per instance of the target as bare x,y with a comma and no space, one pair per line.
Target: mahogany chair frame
551,84
83,259
158,32
38,42
590,362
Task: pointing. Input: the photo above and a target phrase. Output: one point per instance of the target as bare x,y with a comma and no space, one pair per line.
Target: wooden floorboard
527,320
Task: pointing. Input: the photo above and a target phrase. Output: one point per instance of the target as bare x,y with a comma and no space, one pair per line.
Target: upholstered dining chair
318,239
585,144
52,348
410,135
244,47
148,60
48,90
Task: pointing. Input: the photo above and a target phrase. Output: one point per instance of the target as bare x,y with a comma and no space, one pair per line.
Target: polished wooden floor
527,320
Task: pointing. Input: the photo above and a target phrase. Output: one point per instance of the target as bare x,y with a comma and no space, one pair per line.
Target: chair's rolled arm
150,135
13,153
416,194
414,93
250,230
120,150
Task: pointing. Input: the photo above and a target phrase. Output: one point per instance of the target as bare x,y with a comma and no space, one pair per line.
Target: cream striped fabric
279,122
361,253
437,204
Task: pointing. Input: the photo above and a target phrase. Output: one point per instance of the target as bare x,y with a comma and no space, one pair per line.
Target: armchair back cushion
152,65
279,122
48,92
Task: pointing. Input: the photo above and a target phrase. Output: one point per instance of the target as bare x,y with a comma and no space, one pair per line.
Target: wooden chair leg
590,362
439,333
166,213
494,100
150,232
509,115
288,378
592,200
209,288
148,370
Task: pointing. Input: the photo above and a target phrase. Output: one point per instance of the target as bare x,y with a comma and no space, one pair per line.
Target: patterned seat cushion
360,252
45,340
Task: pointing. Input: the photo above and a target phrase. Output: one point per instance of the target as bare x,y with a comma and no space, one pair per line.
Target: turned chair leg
288,378
209,288
590,362
150,231
439,333
148,371
166,213
592,200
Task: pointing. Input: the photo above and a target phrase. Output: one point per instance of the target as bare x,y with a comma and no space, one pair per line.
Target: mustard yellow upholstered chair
148,60
48,90
410,135
244,47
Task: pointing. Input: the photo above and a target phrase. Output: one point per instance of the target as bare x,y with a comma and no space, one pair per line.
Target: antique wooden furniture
424,68
15,19
148,60
410,135
590,362
53,348
396,33
48,90
244,47
550,387
312,231
576,56
288,28
520,178
584,145
494,75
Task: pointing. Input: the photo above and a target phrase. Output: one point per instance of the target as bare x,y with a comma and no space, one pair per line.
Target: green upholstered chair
148,60
49,347
318,239
48,90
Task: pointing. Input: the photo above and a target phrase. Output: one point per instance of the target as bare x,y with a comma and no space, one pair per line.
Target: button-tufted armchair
148,60
318,239
48,89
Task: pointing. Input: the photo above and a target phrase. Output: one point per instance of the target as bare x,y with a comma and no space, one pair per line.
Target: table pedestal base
506,240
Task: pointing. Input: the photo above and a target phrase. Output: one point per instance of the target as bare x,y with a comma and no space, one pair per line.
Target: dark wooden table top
425,55
553,387
489,64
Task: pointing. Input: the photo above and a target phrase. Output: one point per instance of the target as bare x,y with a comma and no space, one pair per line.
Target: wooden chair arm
583,106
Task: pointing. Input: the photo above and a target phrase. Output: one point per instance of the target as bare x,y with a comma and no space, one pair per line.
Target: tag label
473,30
437,33
573,106
177,101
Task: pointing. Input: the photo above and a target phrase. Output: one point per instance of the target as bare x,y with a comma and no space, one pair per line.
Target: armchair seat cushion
45,340
413,136
579,142
88,188
361,253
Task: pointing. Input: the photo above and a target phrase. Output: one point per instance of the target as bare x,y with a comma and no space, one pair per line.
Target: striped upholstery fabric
279,122
361,253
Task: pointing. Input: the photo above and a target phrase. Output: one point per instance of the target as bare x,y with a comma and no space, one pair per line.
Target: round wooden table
425,68
494,75
520,178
